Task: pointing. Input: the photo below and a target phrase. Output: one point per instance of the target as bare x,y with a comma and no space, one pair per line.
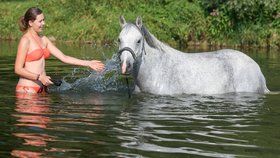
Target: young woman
33,49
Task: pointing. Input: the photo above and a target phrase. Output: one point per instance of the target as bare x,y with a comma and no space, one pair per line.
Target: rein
128,88
134,58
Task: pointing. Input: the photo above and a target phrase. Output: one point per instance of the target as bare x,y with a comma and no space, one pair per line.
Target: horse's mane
151,40
155,43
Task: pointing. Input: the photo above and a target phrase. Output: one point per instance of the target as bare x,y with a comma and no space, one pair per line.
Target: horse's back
221,71
248,75
246,72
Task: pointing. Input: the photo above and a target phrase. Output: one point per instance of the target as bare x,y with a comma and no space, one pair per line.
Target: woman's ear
139,22
122,21
30,23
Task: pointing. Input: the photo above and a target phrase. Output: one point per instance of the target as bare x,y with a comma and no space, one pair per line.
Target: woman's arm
94,64
20,60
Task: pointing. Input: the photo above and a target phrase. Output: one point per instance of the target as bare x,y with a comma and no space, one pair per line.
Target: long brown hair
30,14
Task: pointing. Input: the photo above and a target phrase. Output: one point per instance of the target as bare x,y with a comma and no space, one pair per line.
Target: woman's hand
46,80
93,64
96,65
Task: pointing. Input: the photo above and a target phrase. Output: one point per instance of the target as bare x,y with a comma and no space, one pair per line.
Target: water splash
82,80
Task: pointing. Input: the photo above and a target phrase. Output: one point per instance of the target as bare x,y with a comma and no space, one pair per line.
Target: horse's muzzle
126,65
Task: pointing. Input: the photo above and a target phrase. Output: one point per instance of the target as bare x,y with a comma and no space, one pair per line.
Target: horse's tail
273,92
266,90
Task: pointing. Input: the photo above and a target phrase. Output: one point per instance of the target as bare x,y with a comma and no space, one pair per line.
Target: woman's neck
33,33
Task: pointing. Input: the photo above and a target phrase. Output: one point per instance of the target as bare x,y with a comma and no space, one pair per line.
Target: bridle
134,58
119,53
130,50
126,49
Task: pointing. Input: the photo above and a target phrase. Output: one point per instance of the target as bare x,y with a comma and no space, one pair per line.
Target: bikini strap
36,41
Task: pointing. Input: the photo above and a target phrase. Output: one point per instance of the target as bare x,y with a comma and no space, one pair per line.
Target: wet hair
30,14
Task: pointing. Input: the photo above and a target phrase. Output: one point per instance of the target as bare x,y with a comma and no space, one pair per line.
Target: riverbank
178,23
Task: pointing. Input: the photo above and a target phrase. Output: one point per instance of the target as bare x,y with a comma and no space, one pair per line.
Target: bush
175,22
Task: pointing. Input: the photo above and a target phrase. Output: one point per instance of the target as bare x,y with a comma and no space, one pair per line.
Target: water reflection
31,109
89,121
25,154
31,112
45,122
192,124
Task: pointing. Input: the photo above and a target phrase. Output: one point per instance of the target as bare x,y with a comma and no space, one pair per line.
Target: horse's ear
139,22
122,21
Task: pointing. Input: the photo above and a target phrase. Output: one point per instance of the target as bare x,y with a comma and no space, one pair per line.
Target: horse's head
131,43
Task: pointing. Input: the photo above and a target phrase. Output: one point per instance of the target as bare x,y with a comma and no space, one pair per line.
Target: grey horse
159,69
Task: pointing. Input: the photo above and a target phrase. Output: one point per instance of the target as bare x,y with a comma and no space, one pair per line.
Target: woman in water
33,49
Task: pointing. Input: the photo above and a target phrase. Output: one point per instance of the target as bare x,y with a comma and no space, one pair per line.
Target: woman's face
38,24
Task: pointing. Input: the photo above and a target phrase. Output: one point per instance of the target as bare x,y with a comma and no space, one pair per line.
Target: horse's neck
150,53
151,61
164,48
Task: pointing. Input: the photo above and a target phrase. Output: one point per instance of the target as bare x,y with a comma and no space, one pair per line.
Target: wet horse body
160,69
200,73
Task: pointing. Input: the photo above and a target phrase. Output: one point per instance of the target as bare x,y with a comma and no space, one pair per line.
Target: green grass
178,23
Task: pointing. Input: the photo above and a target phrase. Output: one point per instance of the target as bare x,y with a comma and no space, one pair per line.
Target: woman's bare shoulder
45,38
47,41
24,40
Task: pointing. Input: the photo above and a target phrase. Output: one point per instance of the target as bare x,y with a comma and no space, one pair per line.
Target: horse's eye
119,40
138,41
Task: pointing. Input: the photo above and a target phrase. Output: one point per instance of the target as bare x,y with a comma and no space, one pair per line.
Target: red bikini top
37,54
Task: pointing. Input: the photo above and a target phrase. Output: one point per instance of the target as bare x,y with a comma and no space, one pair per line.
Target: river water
90,114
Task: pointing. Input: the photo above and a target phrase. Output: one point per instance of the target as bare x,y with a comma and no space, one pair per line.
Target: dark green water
95,118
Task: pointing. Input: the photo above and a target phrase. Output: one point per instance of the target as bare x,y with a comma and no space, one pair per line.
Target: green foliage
220,27
253,11
245,22
188,19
